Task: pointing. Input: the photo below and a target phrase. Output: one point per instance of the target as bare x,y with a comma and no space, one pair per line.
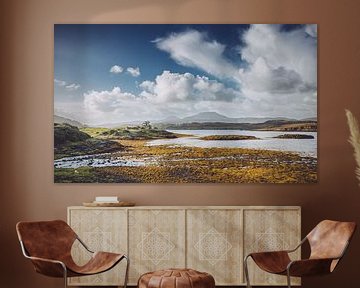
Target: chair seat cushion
272,262
176,278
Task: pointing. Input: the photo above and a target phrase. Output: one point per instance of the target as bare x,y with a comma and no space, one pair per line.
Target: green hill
70,141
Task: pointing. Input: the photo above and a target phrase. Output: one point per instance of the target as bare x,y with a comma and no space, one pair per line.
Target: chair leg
65,276
288,278
126,271
246,270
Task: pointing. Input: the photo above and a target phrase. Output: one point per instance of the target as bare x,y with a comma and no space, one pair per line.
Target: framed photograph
171,103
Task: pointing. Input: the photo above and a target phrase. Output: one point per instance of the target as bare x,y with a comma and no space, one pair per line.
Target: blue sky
122,73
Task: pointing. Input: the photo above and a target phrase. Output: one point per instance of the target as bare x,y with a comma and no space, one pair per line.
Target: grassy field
197,165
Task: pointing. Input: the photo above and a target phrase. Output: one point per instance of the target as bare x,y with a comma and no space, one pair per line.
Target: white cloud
175,87
106,101
278,56
277,62
72,87
279,78
116,106
169,94
67,86
262,78
116,69
59,82
147,85
135,72
193,49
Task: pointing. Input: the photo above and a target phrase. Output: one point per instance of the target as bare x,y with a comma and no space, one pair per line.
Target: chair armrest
48,267
83,244
309,267
298,246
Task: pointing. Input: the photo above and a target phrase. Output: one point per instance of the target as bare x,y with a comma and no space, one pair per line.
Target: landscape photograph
185,103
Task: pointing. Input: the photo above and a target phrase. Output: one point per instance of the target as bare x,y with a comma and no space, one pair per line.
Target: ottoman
176,278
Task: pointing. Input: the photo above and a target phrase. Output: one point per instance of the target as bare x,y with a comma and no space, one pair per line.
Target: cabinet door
101,230
156,240
271,230
214,244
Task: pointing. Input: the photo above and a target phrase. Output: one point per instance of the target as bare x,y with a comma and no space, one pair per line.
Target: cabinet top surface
192,207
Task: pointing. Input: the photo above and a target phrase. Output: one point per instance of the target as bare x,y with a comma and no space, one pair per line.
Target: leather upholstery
176,278
272,262
328,241
53,240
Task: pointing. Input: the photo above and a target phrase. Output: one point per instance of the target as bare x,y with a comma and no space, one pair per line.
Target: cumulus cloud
176,87
281,73
278,77
117,106
107,101
277,61
278,57
262,78
169,94
134,71
193,49
116,69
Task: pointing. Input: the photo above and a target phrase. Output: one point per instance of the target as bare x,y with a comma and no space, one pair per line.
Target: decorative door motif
214,241
270,230
156,240
101,230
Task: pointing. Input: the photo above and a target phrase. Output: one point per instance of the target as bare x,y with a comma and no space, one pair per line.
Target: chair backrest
329,239
46,239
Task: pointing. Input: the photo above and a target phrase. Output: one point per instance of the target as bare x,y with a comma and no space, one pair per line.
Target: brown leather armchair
328,242
48,245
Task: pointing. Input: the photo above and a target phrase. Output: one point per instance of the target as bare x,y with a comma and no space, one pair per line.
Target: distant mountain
169,119
216,117
203,117
62,120
263,119
207,117
118,124
309,119
271,125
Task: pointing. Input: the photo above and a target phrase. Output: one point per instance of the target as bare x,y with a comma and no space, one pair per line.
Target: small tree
146,125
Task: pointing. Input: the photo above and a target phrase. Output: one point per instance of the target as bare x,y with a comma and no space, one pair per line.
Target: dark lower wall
26,105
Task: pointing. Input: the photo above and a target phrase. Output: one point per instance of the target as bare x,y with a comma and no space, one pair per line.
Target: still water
266,141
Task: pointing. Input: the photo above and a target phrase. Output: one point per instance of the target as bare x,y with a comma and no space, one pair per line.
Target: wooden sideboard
212,239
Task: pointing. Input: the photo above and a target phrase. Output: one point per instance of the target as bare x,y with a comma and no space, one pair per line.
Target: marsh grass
199,165
228,137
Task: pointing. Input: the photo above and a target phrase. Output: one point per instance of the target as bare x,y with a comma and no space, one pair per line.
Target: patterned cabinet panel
156,240
269,230
101,230
210,239
214,244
